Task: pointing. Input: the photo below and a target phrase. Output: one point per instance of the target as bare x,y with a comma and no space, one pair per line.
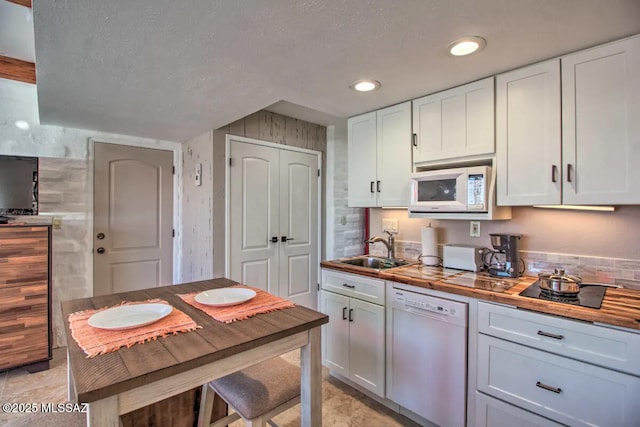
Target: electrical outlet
390,225
474,228
56,222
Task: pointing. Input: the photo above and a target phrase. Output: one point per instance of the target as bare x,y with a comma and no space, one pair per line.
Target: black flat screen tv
18,185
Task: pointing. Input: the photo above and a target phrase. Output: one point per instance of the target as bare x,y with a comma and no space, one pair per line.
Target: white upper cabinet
362,160
601,124
456,123
579,145
380,157
528,145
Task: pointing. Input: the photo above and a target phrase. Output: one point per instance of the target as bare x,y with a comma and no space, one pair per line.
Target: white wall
66,188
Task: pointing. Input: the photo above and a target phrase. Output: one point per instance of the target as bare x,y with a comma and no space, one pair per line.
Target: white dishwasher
427,356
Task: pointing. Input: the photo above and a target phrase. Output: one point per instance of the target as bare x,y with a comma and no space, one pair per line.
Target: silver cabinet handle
344,313
351,315
556,390
569,169
550,335
414,142
378,185
554,173
371,187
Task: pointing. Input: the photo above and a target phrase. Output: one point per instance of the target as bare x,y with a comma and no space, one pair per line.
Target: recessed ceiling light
365,85
467,45
21,124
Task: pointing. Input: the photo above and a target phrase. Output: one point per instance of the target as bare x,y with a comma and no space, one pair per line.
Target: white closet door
299,227
254,220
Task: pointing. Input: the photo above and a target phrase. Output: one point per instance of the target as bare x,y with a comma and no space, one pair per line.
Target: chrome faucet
389,242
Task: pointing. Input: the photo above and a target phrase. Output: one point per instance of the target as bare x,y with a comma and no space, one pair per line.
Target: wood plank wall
272,127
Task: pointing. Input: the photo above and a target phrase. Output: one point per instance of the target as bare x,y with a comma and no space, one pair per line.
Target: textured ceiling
173,69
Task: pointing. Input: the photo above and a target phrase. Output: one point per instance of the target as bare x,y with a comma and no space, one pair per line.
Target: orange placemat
96,341
263,302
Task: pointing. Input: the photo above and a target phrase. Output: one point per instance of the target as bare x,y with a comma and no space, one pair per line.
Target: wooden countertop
620,307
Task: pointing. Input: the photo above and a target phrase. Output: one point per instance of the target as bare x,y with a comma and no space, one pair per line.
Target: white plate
129,316
225,296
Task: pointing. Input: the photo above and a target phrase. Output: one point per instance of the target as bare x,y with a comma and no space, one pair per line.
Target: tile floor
342,405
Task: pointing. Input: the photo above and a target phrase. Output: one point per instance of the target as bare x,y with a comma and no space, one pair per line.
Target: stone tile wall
619,271
348,222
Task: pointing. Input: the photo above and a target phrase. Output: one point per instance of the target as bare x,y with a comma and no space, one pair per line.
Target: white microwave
451,190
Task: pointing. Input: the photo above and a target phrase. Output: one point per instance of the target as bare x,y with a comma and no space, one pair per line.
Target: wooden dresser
25,296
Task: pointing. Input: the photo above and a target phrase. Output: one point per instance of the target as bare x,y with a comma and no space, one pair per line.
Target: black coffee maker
504,261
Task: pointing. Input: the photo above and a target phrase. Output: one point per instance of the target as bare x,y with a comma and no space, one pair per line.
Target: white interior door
273,220
253,215
298,227
133,211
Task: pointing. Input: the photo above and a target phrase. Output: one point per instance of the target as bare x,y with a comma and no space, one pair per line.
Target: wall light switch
390,225
198,175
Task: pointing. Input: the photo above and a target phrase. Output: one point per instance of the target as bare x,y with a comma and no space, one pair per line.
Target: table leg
71,390
311,380
104,413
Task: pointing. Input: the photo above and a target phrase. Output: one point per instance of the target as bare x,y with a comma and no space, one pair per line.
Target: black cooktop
589,295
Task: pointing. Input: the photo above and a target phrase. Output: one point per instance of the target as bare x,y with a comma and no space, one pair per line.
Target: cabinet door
362,160
458,122
528,144
601,124
24,325
336,336
394,155
366,348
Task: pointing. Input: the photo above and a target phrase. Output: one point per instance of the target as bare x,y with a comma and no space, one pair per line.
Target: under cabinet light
578,207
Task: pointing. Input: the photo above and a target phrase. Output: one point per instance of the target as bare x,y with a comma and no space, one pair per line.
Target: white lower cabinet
492,412
354,338
545,378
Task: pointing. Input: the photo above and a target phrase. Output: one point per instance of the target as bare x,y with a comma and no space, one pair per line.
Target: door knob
100,250
100,236
274,239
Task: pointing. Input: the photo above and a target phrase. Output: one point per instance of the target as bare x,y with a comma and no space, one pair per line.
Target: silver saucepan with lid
560,284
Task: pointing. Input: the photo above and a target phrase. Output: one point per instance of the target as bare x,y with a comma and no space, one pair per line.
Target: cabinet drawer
602,346
492,412
565,390
353,285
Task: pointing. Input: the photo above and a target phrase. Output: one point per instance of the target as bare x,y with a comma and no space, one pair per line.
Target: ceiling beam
17,69
25,3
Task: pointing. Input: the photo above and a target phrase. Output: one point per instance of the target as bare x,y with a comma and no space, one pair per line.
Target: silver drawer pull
349,286
548,387
547,334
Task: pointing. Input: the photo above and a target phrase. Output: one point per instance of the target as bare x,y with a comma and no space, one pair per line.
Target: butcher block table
131,378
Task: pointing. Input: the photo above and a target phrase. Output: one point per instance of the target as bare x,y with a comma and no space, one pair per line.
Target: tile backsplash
619,271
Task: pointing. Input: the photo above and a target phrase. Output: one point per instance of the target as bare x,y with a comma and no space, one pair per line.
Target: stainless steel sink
374,262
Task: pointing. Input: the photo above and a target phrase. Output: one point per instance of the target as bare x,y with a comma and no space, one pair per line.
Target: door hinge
173,232
318,286
230,161
318,172
173,170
